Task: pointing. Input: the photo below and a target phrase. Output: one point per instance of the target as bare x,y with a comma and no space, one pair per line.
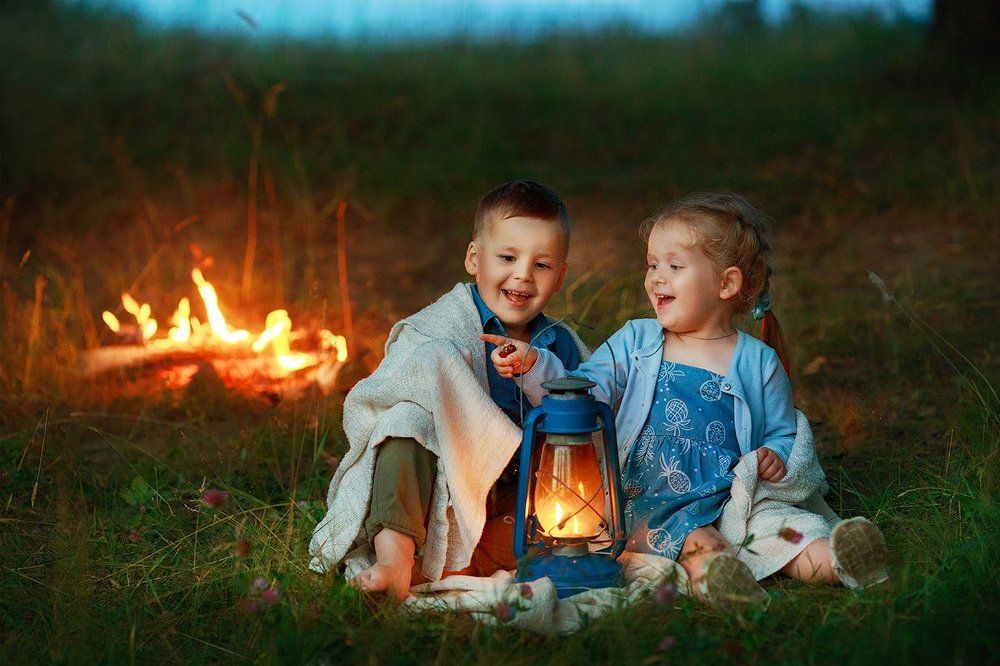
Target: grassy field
869,154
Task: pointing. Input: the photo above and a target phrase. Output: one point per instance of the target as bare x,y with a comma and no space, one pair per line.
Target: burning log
240,358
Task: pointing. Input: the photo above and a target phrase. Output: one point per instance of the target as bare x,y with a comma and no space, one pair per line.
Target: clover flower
215,498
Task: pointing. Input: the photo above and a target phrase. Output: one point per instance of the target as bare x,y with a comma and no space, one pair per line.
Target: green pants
401,495
401,491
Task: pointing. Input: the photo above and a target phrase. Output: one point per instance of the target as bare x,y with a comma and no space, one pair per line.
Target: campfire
263,363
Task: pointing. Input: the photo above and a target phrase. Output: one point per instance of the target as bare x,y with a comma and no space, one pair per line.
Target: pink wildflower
505,612
526,591
667,643
665,594
215,498
250,606
790,535
270,596
333,462
134,536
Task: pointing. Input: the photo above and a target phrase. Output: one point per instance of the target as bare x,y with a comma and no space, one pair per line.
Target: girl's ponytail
770,330
771,334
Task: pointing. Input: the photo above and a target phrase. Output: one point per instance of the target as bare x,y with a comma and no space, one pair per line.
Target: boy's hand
511,358
769,465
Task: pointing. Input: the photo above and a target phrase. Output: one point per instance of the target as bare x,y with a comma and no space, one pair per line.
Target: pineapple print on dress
647,445
711,390
677,417
715,433
660,541
676,479
669,372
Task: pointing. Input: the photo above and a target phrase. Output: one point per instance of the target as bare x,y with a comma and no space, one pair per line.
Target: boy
433,431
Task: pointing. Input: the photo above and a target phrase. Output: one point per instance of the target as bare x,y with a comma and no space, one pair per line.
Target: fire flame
188,332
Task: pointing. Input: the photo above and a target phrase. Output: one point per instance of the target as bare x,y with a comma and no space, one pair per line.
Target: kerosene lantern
568,496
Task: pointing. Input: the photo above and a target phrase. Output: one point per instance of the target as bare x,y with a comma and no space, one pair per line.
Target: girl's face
687,290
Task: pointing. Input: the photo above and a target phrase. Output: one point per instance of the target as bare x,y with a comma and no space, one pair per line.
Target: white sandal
860,556
726,582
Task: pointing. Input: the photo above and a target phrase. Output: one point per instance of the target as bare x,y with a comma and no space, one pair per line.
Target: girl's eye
507,258
652,267
542,266
675,267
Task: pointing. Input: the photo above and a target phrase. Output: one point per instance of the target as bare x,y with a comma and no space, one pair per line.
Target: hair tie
762,306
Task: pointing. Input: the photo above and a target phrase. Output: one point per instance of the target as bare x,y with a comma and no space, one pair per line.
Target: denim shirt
625,370
556,340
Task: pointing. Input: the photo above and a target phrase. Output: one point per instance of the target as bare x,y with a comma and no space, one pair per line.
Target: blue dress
680,470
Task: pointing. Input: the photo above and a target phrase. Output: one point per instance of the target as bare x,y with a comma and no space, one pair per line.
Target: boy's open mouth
516,297
662,300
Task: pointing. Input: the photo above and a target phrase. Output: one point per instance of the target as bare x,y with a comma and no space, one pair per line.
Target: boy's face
519,263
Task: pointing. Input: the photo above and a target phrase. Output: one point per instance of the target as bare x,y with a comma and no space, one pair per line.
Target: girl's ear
472,259
731,283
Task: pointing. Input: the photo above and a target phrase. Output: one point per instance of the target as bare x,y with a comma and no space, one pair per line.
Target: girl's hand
511,358
769,465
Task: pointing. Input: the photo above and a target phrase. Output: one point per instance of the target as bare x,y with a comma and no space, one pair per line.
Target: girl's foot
728,583
860,557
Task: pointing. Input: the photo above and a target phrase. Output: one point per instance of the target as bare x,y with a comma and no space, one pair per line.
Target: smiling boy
429,482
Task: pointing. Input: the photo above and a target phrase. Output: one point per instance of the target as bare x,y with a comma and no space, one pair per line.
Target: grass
868,156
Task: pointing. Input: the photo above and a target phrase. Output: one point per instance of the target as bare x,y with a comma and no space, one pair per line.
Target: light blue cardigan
625,369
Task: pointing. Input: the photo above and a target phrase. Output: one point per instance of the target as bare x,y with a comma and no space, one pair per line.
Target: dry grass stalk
345,296
34,330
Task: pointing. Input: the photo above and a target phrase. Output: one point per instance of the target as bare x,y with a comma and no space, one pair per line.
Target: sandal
860,556
726,582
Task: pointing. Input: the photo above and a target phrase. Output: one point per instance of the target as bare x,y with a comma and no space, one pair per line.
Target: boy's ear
472,259
562,276
731,283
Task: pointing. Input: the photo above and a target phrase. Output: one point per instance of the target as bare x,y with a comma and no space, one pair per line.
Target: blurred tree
967,31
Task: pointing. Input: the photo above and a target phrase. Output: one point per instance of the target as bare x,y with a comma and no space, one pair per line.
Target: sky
407,20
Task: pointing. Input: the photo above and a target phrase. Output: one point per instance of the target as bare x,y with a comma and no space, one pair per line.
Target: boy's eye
675,267
507,257
652,267
542,266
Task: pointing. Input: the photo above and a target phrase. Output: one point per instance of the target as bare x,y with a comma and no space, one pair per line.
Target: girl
694,396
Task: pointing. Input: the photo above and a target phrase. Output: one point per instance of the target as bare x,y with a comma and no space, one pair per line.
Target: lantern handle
531,423
617,529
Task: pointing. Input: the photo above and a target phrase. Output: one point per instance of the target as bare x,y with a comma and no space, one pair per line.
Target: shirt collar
492,323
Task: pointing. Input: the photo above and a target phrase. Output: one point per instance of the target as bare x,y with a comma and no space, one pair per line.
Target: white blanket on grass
432,386
757,508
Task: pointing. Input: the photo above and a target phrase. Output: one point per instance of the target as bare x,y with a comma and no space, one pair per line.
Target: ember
238,356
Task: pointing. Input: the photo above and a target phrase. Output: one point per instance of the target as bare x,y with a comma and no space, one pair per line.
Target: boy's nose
524,272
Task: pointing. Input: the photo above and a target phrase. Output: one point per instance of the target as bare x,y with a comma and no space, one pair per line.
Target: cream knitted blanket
432,386
753,518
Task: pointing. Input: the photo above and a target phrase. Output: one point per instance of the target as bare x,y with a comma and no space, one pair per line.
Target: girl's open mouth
663,300
516,297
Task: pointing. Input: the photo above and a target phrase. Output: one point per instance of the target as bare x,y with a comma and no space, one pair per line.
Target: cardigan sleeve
779,411
608,367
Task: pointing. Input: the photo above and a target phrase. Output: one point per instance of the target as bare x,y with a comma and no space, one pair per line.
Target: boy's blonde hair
520,198
731,232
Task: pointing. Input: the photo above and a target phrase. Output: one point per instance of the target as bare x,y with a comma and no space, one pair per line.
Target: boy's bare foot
383,578
393,568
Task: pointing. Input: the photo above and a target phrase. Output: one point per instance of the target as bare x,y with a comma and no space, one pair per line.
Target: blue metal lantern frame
576,414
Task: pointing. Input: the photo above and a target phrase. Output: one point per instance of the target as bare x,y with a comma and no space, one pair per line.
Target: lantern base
572,574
